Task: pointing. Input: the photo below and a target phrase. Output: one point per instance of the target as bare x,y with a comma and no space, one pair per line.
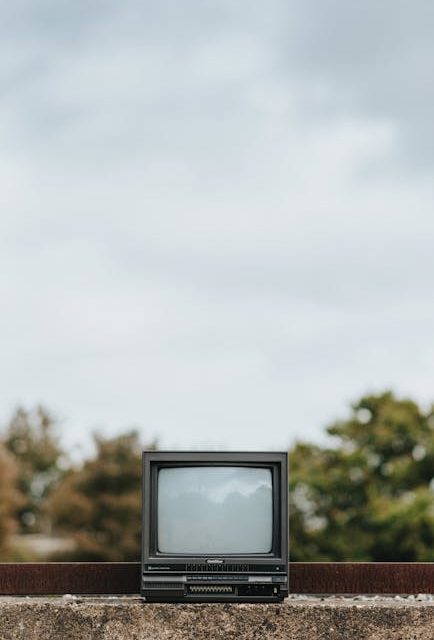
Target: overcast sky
217,216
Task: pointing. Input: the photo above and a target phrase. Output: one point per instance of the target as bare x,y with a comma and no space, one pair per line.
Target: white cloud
206,225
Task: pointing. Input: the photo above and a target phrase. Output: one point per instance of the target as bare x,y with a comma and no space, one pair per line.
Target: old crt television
215,527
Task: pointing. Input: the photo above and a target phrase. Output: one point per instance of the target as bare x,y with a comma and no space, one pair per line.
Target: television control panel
231,583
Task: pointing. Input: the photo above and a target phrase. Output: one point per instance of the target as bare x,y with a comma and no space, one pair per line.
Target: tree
9,501
370,497
31,439
98,504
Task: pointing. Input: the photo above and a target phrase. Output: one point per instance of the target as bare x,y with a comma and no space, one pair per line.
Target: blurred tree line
366,496
370,496
95,504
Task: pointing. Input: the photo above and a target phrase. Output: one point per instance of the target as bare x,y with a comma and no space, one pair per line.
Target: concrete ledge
130,619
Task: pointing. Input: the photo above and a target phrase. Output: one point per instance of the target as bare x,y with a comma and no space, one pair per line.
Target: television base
213,592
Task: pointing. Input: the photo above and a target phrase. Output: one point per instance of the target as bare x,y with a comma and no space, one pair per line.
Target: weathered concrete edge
130,618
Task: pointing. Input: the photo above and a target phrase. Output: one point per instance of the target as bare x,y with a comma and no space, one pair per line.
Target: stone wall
128,618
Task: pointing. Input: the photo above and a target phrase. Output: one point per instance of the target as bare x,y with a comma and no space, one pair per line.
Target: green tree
9,501
31,438
371,496
99,504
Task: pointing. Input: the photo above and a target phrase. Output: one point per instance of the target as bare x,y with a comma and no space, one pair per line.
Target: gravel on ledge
299,617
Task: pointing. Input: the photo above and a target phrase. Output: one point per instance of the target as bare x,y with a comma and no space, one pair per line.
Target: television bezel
153,461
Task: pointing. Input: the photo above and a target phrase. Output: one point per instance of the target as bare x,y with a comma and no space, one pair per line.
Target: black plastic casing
211,578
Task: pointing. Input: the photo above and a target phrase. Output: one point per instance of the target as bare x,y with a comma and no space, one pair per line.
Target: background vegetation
367,495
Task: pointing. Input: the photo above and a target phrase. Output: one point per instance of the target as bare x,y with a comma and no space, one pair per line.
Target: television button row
217,578
217,567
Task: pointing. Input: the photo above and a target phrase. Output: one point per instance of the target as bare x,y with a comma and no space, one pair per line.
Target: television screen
214,510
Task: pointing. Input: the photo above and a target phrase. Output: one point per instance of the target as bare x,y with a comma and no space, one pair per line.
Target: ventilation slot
211,588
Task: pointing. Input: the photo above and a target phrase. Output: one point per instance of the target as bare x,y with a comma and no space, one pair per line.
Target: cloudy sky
216,216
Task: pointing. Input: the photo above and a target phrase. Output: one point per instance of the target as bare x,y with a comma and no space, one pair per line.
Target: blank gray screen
215,510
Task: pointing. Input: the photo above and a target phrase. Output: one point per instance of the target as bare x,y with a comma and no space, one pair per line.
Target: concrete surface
297,618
